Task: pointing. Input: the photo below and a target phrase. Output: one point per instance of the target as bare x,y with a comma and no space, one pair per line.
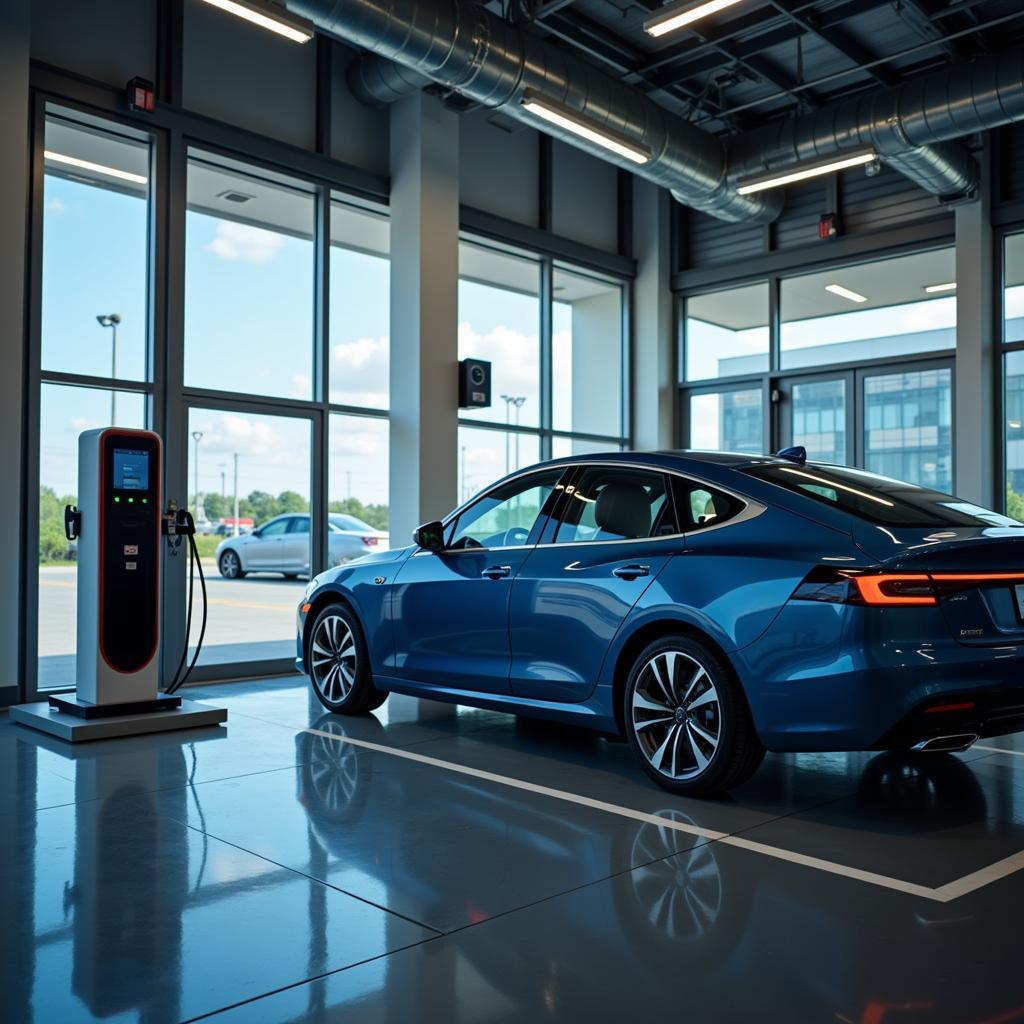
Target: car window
505,516
704,506
298,524
342,522
615,503
274,528
878,499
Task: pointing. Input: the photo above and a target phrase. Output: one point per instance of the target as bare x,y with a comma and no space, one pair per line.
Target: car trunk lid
978,574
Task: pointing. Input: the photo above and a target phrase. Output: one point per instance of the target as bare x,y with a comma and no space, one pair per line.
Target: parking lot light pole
197,436
111,320
234,530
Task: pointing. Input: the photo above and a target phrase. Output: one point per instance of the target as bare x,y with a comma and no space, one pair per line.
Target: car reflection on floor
709,918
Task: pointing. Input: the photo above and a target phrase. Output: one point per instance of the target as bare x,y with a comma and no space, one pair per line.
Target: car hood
374,558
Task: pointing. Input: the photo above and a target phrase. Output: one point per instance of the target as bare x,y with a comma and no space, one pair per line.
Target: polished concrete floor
454,865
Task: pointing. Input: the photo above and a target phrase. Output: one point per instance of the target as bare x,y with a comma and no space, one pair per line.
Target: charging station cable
178,524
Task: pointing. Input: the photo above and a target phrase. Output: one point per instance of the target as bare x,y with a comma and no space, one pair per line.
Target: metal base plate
75,729
72,704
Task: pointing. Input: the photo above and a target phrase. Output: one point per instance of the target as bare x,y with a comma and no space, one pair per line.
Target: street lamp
111,320
512,402
234,531
197,436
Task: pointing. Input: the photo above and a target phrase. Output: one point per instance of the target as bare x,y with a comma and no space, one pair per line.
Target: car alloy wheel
676,715
230,566
333,658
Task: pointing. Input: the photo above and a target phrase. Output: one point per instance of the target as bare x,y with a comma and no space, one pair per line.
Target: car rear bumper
840,677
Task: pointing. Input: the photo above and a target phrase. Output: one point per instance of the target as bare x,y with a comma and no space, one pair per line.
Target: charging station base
76,729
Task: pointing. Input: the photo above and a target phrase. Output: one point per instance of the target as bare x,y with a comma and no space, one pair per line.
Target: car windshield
339,523
878,499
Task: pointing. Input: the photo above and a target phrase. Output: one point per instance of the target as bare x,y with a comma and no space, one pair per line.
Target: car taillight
865,586
370,541
855,586
896,588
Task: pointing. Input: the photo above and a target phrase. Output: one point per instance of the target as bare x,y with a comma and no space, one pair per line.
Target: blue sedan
706,606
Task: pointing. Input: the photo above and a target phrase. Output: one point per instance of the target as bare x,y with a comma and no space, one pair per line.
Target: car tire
687,719
290,575
339,664
230,565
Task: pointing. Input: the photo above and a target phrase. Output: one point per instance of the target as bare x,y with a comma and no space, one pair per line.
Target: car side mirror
430,536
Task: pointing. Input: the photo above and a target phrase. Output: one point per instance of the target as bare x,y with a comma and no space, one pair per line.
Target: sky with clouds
249,328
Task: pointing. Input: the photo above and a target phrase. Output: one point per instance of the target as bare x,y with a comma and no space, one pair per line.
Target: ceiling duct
464,47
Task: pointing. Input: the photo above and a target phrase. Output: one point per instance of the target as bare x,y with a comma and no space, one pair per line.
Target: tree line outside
260,506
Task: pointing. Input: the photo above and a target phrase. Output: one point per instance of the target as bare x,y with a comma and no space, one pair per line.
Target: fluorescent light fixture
803,171
571,121
933,289
88,165
679,15
269,16
845,293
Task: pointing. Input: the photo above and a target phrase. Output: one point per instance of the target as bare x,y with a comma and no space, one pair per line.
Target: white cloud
78,424
359,371
236,241
55,206
252,439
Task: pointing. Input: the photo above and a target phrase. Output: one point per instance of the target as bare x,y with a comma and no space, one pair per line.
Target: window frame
557,519
772,381
545,431
450,524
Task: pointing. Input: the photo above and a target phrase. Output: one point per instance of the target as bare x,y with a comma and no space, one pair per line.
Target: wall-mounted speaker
474,384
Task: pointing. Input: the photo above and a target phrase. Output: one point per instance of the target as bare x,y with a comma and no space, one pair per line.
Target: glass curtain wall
850,370
94,337
501,319
1013,373
279,376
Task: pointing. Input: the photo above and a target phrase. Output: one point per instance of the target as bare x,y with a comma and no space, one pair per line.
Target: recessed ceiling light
88,165
269,16
234,196
571,121
845,293
949,286
680,15
803,171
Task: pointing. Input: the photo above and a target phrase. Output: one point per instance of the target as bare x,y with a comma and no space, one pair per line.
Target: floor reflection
147,894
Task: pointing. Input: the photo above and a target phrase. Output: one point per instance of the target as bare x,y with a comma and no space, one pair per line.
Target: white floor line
871,877
999,750
985,876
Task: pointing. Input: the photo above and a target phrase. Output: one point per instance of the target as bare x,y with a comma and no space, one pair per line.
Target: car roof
671,458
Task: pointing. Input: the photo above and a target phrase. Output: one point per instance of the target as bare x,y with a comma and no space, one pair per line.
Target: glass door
816,412
907,424
896,421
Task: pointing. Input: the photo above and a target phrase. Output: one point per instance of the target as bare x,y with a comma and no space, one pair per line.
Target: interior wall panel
246,76
359,134
585,197
111,41
498,169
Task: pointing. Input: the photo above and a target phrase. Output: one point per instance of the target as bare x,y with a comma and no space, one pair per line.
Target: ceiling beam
673,62
838,38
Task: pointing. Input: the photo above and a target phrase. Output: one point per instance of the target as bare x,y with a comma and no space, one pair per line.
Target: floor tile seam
210,1014
305,874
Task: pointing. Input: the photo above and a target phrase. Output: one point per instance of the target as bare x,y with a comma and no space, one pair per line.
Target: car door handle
631,572
497,572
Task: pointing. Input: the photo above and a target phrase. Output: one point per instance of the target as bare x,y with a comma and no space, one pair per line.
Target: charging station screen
131,469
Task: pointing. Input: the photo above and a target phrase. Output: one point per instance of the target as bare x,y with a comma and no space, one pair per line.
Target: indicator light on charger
117,499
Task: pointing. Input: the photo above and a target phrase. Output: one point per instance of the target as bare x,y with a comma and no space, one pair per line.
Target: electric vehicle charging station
120,524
